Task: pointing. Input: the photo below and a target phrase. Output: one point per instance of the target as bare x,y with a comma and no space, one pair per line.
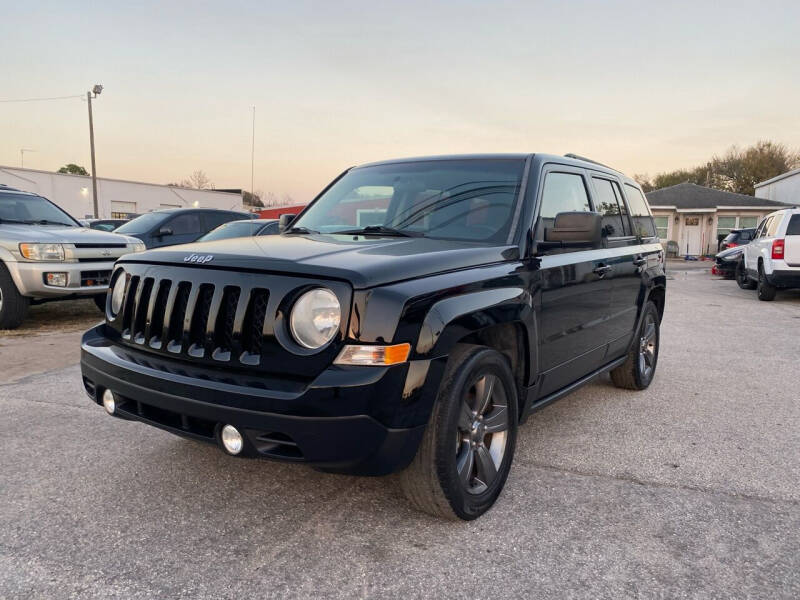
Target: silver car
47,255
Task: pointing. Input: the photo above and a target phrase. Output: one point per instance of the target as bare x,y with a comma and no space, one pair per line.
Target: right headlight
118,294
315,318
49,252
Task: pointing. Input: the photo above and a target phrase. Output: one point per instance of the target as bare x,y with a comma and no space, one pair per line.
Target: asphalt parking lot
690,489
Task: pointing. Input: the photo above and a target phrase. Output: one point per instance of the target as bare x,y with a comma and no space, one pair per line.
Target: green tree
252,200
73,169
736,171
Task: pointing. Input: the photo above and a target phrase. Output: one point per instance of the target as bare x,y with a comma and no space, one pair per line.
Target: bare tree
198,180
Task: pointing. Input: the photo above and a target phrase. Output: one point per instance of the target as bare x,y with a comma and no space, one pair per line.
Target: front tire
638,370
466,452
765,290
100,302
742,280
13,305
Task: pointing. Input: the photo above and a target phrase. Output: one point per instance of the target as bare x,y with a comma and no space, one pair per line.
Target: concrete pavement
690,489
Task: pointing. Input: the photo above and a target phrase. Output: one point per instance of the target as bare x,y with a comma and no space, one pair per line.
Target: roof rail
583,158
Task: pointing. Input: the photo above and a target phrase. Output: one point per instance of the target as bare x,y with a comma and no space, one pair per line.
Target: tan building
697,218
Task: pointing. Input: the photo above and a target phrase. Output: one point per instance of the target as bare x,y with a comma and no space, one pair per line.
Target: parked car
737,237
772,259
175,226
46,255
413,331
248,228
725,262
103,224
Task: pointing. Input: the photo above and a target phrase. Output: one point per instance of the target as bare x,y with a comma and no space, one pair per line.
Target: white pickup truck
47,255
772,258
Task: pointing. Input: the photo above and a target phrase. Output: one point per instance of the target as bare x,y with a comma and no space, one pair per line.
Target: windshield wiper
13,221
379,230
301,230
46,222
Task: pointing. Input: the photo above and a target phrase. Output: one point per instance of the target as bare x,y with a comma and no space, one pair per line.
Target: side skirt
534,405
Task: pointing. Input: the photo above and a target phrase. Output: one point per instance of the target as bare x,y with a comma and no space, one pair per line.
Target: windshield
233,229
32,210
142,224
468,199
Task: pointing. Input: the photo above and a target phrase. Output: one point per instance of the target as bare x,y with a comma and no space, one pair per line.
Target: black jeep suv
410,318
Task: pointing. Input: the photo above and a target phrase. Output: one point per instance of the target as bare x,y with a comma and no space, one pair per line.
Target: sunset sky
642,86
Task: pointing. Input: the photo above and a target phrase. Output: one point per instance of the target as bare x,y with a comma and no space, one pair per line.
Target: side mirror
164,231
285,220
574,230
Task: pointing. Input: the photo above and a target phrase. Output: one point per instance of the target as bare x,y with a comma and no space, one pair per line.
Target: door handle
601,270
639,261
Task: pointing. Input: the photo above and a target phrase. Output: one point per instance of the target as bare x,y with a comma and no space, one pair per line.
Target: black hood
364,261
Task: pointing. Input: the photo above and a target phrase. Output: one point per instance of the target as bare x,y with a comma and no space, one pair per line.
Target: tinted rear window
794,226
640,212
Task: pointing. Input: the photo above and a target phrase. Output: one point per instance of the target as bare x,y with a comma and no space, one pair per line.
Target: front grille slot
223,328
140,311
95,278
159,310
175,330
253,326
128,306
199,320
100,246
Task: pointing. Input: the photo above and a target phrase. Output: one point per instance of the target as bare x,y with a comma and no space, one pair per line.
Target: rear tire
638,370
742,280
466,452
13,305
765,290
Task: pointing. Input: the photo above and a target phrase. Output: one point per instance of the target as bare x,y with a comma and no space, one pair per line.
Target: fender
449,320
9,260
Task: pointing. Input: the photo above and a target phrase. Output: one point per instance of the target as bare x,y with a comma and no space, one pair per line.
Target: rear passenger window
642,220
563,192
610,205
794,226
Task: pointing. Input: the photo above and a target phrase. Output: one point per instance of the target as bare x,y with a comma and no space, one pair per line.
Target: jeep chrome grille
196,319
221,318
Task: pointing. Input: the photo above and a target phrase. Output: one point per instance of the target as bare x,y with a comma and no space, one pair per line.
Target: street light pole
22,152
253,158
95,90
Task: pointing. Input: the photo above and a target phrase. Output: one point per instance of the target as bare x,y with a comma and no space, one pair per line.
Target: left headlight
53,252
118,294
315,318
138,247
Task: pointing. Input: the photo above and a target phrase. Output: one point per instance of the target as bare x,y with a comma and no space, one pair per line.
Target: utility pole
95,90
253,157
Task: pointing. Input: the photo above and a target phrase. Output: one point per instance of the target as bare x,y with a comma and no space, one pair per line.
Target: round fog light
232,439
108,402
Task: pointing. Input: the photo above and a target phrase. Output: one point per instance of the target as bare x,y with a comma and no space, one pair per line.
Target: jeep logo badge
198,258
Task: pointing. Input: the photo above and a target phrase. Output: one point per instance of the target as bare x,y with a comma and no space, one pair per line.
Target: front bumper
29,278
327,423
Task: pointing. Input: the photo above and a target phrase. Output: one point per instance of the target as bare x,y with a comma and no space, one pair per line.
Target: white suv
772,258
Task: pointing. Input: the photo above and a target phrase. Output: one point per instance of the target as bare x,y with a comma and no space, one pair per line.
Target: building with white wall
696,218
117,198
783,188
